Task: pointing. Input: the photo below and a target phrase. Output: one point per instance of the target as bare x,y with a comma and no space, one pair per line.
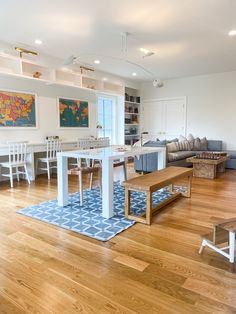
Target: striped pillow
184,145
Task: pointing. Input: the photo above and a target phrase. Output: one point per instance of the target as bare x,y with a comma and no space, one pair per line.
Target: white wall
47,112
211,104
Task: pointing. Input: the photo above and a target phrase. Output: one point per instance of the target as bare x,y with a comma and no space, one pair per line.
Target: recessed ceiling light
104,79
232,32
96,61
134,74
38,42
146,51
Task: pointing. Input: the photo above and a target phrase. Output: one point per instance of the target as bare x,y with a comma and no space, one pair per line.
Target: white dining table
107,155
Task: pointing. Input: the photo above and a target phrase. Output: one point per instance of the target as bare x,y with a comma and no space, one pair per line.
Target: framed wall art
73,113
17,109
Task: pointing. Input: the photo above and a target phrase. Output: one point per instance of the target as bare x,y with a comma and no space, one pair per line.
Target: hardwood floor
145,269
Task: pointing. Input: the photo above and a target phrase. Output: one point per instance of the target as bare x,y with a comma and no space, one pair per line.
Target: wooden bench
152,182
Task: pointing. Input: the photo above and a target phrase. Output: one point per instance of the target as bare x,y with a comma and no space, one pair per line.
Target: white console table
33,149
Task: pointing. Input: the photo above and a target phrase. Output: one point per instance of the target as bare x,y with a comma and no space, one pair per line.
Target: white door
174,122
152,119
164,118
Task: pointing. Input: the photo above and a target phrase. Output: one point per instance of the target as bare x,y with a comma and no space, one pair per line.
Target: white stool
222,232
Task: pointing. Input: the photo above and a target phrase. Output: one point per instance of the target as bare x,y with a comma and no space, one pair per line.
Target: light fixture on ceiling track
27,51
76,60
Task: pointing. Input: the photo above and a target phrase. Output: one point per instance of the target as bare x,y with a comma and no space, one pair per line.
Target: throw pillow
184,145
197,144
190,137
174,140
172,147
203,144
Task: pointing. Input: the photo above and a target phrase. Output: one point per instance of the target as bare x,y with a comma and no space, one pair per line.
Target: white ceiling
189,37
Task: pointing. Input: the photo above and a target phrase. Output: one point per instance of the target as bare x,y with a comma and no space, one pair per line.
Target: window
106,118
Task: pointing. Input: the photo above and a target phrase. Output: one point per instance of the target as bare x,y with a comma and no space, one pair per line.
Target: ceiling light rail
22,68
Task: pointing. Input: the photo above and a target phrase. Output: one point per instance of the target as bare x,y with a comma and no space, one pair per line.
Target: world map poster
73,113
17,109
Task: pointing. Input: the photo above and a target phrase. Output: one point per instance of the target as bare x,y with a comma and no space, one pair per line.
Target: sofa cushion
172,147
179,155
184,145
190,137
214,145
203,144
155,143
231,153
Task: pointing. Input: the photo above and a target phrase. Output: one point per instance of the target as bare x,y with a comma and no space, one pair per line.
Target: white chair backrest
103,142
86,143
17,152
53,147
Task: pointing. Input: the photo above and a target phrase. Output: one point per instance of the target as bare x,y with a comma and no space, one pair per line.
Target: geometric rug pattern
87,219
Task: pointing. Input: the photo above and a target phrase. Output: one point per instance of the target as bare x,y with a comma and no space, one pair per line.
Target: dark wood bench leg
127,202
148,207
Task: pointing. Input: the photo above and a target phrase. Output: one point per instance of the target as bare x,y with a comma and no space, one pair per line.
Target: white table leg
107,188
30,165
161,159
62,181
231,246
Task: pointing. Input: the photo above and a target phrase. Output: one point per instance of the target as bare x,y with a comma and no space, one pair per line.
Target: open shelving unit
16,67
132,116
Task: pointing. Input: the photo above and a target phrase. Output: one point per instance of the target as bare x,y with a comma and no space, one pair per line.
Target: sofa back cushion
172,147
184,145
214,145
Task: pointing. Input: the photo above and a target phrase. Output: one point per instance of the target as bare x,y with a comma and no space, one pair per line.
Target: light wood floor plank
145,269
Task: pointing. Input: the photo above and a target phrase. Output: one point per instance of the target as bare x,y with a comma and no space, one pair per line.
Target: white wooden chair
16,160
53,147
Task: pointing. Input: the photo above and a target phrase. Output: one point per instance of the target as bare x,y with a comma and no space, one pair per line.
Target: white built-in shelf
132,135
129,108
11,66
132,113
132,102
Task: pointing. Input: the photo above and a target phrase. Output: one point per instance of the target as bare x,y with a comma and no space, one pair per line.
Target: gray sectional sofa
148,163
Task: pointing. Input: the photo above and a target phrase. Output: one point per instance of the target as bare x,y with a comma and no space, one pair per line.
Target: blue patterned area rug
87,219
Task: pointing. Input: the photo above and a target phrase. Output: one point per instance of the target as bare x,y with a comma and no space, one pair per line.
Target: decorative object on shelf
85,70
17,109
127,121
27,51
98,126
90,86
37,74
135,110
138,99
73,113
53,137
130,109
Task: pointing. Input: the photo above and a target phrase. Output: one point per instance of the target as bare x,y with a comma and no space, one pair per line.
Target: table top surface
111,152
195,160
